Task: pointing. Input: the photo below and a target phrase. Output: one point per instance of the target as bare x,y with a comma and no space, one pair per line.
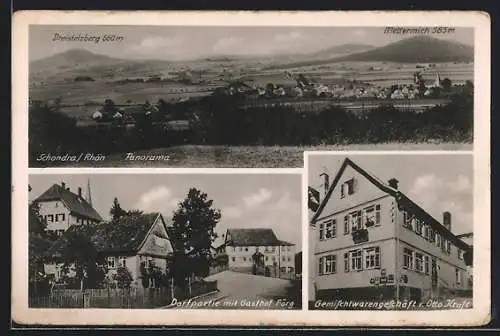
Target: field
252,156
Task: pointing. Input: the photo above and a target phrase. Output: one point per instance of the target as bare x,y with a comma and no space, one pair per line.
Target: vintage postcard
184,161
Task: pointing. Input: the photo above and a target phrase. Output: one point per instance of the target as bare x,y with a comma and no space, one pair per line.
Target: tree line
218,120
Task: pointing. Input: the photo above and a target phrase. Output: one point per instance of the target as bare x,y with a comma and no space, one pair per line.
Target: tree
79,255
446,84
116,210
123,277
193,234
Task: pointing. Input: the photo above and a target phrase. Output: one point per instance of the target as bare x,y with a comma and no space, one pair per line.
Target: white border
22,314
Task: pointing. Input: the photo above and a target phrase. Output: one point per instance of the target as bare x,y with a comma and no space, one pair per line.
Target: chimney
63,185
393,183
447,220
79,191
326,183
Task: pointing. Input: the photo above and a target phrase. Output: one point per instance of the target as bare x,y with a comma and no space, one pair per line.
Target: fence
131,298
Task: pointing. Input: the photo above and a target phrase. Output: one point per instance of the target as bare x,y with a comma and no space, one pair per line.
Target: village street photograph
165,241
244,96
390,231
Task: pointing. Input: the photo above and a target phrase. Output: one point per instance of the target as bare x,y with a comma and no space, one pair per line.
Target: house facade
242,245
372,242
60,208
138,242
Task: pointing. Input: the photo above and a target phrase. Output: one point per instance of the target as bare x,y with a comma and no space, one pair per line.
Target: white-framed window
418,226
111,262
346,225
407,258
427,267
331,229
372,257
342,190
122,261
438,239
50,218
346,262
356,260
355,220
328,264
419,262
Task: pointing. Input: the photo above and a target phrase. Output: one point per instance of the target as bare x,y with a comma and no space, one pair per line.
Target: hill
416,49
411,50
71,59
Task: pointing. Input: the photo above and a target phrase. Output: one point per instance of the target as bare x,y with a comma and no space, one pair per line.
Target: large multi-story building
242,245
372,242
60,208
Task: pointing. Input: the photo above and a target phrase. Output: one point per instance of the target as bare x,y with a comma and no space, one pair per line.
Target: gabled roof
75,203
403,202
126,235
253,237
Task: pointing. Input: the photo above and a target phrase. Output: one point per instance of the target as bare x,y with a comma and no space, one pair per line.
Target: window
347,188
419,262
122,262
356,260
427,269
438,239
288,259
407,258
460,254
50,218
418,226
350,186
346,225
448,247
274,258
328,264
425,231
240,249
356,220
244,258
266,258
346,262
377,214
458,276
62,217
283,258
372,215
234,249
289,248
331,229
322,231
273,248
111,262
59,232
283,248
150,263
233,258
432,235
246,249
372,257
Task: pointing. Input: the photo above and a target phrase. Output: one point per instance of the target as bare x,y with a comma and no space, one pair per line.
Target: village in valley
136,259
342,96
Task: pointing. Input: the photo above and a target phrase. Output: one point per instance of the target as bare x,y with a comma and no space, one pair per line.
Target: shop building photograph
389,227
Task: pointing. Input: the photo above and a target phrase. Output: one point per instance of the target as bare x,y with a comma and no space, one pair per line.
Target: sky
245,200
190,42
437,183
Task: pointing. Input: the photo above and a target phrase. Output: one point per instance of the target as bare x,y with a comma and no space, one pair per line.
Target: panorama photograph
188,96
